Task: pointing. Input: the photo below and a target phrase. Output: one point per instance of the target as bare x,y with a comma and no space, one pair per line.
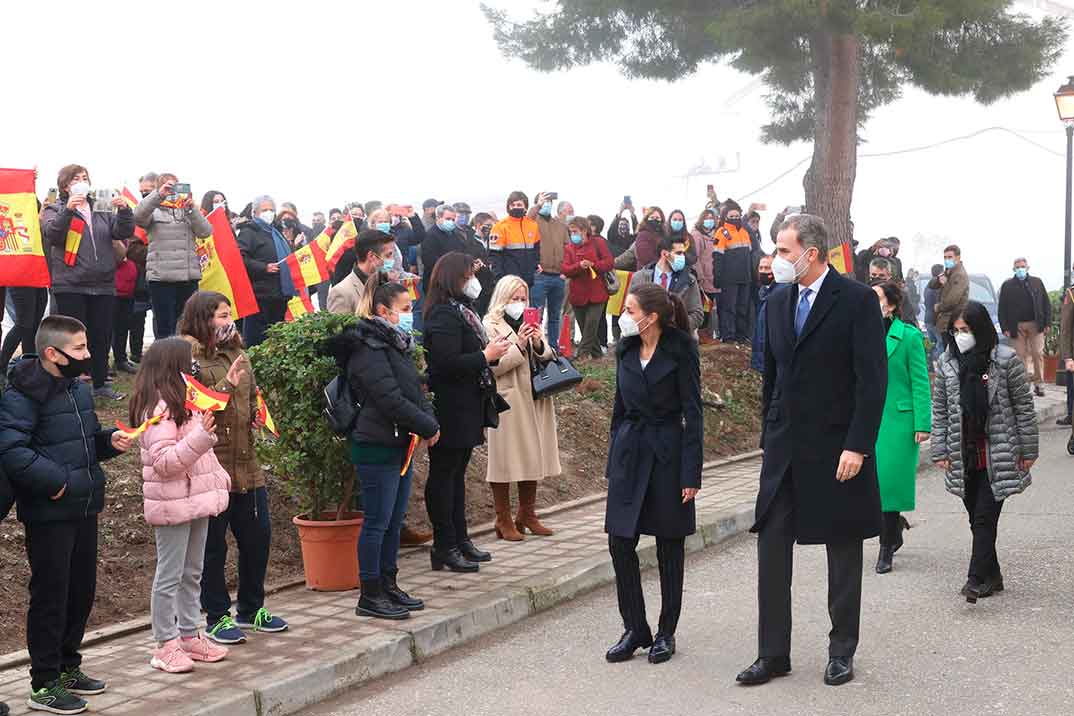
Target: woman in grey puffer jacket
984,435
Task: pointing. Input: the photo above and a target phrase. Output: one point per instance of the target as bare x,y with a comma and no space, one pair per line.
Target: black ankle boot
375,603
397,595
472,553
884,561
452,559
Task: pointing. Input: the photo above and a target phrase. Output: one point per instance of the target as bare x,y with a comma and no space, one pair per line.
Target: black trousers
247,515
445,495
272,312
63,584
775,565
137,332
121,325
97,313
671,558
984,513
733,311
30,304
168,299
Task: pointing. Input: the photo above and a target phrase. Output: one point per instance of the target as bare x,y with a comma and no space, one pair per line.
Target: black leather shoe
662,650
904,524
764,670
1064,421
472,553
840,670
982,590
884,561
374,603
398,596
630,642
453,560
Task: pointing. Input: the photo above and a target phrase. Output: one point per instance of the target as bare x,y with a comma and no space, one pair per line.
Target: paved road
924,650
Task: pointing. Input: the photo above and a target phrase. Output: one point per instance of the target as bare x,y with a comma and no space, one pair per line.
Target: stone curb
396,649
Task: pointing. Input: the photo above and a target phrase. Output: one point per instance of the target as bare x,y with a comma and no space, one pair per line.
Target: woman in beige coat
524,449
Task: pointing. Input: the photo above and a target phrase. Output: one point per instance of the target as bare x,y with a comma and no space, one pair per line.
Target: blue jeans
549,289
168,299
384,498
937,342
1070,393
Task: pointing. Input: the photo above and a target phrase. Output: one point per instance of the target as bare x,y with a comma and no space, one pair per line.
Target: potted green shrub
308,457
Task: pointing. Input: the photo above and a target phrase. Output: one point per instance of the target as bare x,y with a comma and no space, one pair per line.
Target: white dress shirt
814,287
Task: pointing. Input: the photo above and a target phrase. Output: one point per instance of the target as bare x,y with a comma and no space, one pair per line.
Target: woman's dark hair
980,322
653,210
668,307
596,224
196,320
518,196
66,175
447,278
160,378
894,295
379,291
207,200
700,225
581,223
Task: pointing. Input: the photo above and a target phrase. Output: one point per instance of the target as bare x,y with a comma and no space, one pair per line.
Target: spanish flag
130,197
135,432
308,266
198,397
341,241
841,258
616,302
222,269
414,440
412,286
22,256
263,415
73,240
298,306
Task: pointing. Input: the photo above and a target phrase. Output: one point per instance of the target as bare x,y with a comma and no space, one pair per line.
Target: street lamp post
1064,102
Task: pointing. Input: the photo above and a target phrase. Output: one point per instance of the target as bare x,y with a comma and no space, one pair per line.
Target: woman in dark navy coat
654,461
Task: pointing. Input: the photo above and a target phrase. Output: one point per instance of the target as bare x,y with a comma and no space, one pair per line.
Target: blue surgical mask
384,227
464,219
576,239
677,224
1021,273
406,322
447,225
389,265
709,224
678,263
948,264
546,209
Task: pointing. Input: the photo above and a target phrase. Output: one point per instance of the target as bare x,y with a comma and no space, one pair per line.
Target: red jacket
585,288
126,278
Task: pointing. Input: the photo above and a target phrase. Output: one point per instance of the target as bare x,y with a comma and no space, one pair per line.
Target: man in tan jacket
1066,351
954,287
374,250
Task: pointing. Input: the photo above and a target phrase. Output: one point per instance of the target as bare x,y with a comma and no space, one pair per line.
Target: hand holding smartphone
531,316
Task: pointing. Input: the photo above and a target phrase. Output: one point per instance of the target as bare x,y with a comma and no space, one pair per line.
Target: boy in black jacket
50,445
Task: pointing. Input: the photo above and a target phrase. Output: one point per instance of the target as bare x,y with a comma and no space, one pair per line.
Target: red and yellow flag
130,197
413,287
841,258
198,397
22,255
263,415
616,302
298,306
222,268
73,240
414,440
308,266
339,243
135,432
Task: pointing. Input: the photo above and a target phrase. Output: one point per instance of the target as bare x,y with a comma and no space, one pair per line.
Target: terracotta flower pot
1051,365
330,551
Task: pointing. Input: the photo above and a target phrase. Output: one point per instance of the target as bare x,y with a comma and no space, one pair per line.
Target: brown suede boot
527,510
411,537
505,528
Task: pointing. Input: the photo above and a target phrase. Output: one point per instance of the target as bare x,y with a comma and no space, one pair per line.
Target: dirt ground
126,548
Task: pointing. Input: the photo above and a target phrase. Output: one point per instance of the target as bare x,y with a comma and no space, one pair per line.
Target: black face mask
516,213
74,367
765,278
656,224
737,223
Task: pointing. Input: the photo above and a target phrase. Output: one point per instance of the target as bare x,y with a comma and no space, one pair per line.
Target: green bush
1051,339
292,372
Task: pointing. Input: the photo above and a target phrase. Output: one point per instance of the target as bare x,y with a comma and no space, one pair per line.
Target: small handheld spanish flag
414,440
198,397
298,306
263,415
135,432
74,238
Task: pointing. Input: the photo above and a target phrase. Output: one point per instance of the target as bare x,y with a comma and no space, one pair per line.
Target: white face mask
628,326
515,310
472,289
82,188
786,272
964,341
268,215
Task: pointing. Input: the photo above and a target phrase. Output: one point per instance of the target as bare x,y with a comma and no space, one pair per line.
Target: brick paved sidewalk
524,577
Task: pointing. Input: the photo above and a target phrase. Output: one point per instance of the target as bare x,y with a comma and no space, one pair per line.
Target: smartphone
551,195
183,190
627,201
53,196
710,189
531,316
102,200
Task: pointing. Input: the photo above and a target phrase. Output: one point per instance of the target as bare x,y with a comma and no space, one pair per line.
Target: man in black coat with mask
825,380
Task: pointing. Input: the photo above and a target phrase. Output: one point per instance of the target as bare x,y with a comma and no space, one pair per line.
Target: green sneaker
55,699
263,621
226,632
78,683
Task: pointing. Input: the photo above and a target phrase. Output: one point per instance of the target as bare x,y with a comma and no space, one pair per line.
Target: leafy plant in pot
308,457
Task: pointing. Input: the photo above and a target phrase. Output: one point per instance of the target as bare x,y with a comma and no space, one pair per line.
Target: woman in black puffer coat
377,356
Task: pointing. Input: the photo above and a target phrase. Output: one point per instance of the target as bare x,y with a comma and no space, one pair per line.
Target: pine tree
827,64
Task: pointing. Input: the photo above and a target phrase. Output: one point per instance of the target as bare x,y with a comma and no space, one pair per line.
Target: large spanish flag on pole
222,269
841,258
22,256
339,243
615,303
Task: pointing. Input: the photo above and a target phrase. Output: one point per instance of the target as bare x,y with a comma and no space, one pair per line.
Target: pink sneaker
171,658
201,649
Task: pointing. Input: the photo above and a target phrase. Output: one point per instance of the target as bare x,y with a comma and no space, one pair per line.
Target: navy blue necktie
803,311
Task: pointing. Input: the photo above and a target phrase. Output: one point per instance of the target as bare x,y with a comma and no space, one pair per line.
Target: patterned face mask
225,332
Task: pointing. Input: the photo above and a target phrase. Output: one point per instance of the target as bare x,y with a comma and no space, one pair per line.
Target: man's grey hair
1023,259
258,201
562,205
444,208
812,233
881,264
148,176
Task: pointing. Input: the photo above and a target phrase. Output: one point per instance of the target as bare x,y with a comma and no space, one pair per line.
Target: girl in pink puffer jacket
183,485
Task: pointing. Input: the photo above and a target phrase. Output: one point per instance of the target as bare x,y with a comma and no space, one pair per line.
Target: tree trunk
829,183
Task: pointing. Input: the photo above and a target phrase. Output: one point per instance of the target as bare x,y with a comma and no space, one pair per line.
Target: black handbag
552,377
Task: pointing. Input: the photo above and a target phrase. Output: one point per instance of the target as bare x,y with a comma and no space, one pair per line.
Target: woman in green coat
907,422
